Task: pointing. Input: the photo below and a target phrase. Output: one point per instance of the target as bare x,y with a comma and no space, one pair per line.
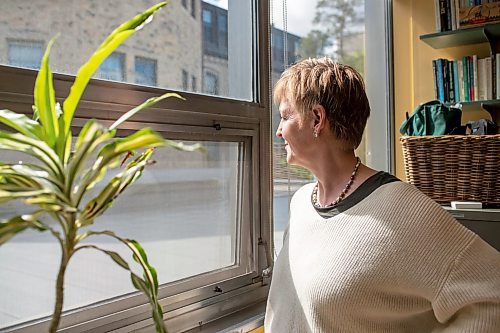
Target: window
145,71
215,38
25,53
202,218
211,85
222,33
193,8
113,67
302,39
185,78
208,26
193,83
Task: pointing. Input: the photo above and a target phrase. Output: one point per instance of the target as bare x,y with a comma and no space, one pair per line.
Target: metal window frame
380,85
191,302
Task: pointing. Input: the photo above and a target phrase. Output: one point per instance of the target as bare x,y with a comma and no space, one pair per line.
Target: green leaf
11,176
33,147
147,103
30,175
144,138
21,123
84,74
8,193
141,258
115,256
98,205
45,99
183,147
139,283
91,136
11,227
148,285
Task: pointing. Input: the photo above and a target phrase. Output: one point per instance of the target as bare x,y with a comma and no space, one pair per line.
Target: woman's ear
319,117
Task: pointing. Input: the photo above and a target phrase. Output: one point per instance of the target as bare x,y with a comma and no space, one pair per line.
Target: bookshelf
416,45
489,33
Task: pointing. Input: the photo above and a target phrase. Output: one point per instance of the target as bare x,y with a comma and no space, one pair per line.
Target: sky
300,14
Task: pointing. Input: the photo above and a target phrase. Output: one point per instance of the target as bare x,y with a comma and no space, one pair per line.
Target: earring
315,133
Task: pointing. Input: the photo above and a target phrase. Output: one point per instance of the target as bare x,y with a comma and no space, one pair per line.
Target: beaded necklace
342,194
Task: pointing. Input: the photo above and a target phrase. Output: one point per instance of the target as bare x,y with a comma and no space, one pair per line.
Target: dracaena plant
57,185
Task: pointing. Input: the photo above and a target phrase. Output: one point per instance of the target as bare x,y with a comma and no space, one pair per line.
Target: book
437,16
481,79
479,15
440,80
434,76
460,81
474,76
443,15
456,84
489,78
497,72
466,80
451,82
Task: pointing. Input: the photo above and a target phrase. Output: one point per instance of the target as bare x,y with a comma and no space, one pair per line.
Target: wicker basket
454,167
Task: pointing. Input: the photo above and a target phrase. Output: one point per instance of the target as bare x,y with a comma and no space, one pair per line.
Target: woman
365,252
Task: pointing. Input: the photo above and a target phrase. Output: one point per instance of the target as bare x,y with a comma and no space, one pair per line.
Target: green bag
432,118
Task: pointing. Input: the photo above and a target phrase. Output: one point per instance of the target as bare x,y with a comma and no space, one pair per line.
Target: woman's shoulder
304,192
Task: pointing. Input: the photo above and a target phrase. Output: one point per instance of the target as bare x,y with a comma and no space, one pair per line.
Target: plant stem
67,250
56,316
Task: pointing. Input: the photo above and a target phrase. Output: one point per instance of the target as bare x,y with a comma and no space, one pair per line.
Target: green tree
313,45
333,17
356,60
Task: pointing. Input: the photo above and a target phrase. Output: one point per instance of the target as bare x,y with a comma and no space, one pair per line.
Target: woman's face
296,133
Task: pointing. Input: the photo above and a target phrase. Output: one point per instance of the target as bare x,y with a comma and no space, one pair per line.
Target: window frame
186,304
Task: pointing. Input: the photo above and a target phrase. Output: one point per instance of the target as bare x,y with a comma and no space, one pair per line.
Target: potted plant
57,184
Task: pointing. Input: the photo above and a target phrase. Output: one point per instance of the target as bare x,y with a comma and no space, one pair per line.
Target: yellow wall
257,330
413,78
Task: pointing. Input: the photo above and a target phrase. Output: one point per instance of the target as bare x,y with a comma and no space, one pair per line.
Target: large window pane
187,35
336,29
183,210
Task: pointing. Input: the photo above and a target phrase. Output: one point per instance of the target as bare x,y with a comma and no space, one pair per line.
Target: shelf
459,37
491,106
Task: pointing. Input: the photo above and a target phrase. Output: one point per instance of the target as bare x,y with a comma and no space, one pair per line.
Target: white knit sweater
395,262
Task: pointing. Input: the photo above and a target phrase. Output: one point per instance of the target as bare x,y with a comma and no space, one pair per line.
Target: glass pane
191,36
113,67
24,53
183,210
336,29
145,71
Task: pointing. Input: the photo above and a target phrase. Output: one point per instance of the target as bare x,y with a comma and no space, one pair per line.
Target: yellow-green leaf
45,99
147,103
118,36
21,123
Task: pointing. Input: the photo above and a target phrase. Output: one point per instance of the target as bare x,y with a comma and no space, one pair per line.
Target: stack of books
459,14
468,79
